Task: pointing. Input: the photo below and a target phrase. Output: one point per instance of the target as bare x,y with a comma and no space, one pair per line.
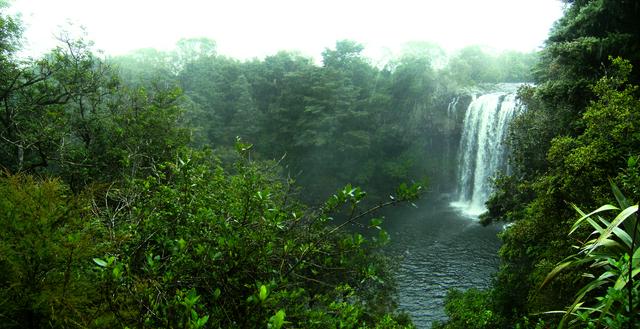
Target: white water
451,108
482,153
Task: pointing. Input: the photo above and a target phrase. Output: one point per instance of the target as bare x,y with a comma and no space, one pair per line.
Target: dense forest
187,189
574,149
164,189
344,121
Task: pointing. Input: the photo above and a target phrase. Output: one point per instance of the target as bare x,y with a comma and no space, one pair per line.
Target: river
438,249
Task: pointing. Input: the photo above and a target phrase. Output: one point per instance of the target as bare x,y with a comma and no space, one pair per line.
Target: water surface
439,249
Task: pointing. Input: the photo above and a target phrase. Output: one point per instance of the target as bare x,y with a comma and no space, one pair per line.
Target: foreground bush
190,246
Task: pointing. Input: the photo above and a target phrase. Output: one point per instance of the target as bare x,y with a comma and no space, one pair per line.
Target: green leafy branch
612,256
353,196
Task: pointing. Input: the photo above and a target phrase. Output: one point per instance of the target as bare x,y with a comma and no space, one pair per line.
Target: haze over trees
111,218
184,188
343,120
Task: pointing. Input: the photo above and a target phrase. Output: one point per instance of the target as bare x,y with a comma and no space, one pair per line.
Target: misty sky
255,28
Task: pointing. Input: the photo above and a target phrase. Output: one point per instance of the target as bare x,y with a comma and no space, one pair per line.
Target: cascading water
482,153
439,247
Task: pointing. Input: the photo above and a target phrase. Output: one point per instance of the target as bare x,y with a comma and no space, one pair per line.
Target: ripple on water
439,250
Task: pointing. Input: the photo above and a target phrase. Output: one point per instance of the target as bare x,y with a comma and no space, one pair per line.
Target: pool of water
438,249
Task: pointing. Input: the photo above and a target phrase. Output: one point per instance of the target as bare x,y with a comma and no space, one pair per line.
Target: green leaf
117,272
622,200
556,270
203,320
182,244
100,262
277,321
383,236
623,236
616,222
375,223
263,293
585,216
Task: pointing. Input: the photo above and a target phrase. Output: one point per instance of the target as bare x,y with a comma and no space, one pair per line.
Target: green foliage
346,120
237,251
579,130
550,169
610,299
472,65
68,115
10,36
141,231
189,246
46,243
470,309
277,321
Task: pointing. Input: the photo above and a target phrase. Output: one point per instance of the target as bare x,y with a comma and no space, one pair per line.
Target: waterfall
482,153
451,108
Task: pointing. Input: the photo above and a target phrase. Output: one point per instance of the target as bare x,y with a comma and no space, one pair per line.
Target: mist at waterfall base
440,245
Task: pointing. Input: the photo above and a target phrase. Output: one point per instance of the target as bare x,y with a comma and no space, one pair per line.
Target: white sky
255,28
